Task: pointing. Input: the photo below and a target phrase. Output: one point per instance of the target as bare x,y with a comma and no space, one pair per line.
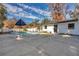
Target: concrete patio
39,45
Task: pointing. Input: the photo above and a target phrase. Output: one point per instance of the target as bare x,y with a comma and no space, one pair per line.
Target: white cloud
10,8
26,16
39,11
15,9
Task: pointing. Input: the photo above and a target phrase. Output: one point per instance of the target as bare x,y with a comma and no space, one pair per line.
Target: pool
24,33
20,33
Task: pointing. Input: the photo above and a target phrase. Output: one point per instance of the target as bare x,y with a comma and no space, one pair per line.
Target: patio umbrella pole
18,37
20,23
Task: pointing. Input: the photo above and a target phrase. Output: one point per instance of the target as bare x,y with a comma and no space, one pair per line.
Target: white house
63,27
48,28
68,27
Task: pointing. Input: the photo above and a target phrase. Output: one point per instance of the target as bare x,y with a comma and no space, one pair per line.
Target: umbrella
20,23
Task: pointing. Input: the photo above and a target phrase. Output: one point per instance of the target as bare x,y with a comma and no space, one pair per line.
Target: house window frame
45,27
71,26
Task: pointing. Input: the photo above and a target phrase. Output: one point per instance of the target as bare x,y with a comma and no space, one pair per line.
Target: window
71,26
45,27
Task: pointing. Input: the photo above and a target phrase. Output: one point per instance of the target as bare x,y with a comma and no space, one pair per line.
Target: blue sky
30,11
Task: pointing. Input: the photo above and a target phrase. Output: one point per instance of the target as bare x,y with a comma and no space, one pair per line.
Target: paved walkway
39,45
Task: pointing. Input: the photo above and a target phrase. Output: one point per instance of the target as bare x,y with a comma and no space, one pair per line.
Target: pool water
20,33
23,33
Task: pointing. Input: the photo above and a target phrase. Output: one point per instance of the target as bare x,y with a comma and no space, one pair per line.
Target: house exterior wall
32,29
49,29
63,28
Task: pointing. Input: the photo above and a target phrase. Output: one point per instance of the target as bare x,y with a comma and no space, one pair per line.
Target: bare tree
57,11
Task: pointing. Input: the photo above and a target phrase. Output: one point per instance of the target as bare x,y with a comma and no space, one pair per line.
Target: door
55,28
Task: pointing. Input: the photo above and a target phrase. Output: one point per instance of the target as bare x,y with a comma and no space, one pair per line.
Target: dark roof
20,23
52,23
74,20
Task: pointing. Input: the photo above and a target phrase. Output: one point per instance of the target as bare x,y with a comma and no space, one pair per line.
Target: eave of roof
74,20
